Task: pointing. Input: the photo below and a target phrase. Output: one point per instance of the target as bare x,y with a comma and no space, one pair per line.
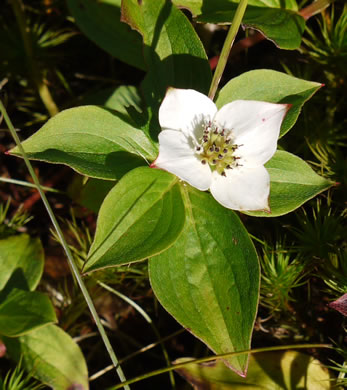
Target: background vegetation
303,255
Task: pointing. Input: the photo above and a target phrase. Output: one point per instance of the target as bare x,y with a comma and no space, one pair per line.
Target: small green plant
340,368
320,232
334,272
30,58
329,46
11,225
18,379
282,272
78,235
27,316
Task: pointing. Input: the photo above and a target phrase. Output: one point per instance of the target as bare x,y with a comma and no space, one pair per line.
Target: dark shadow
163,16
93,193
108,98
210,6
17,280
283,4
101,22
110,166
298,370
176,70
260,18
271,368
125,118
270,362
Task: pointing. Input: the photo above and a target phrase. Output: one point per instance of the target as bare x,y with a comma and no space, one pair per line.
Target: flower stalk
223,59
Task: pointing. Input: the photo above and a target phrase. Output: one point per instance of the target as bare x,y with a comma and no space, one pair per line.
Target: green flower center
216,148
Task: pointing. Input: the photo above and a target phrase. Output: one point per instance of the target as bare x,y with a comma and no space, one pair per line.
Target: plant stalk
27,184
64,244
315,8
41,87
229,40
217,357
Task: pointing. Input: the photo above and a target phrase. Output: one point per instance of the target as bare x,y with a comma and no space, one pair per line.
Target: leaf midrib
99,136
114,227
193,223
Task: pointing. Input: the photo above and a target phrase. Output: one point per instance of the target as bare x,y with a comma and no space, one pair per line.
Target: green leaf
209,279
100,22
22,311
90,193
92,140
267,371
292,183
115,98
270,86
52,356
278,20
173,51
198,7
21,260
140,217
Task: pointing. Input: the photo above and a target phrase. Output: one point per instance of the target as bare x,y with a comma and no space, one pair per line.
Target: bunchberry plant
182,154
224,151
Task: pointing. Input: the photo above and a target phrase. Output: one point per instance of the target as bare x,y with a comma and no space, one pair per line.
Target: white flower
224,151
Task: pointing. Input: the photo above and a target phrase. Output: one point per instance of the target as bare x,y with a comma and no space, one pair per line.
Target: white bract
224,151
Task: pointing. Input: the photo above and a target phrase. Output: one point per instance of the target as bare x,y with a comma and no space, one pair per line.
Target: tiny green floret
216,148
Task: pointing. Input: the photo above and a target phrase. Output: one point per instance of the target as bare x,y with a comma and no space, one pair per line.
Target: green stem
217,357
42,88
70,258
27,184
229,40
342,373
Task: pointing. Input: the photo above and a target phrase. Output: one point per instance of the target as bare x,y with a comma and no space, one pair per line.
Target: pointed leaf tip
141,216
208,282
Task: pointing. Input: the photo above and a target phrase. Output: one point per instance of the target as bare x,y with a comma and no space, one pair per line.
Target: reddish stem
29,202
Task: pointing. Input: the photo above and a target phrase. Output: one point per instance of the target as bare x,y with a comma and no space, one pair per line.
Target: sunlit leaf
209,279
292,183
94,141
267,371
270,86
52,356
172,49
140,217
22,311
